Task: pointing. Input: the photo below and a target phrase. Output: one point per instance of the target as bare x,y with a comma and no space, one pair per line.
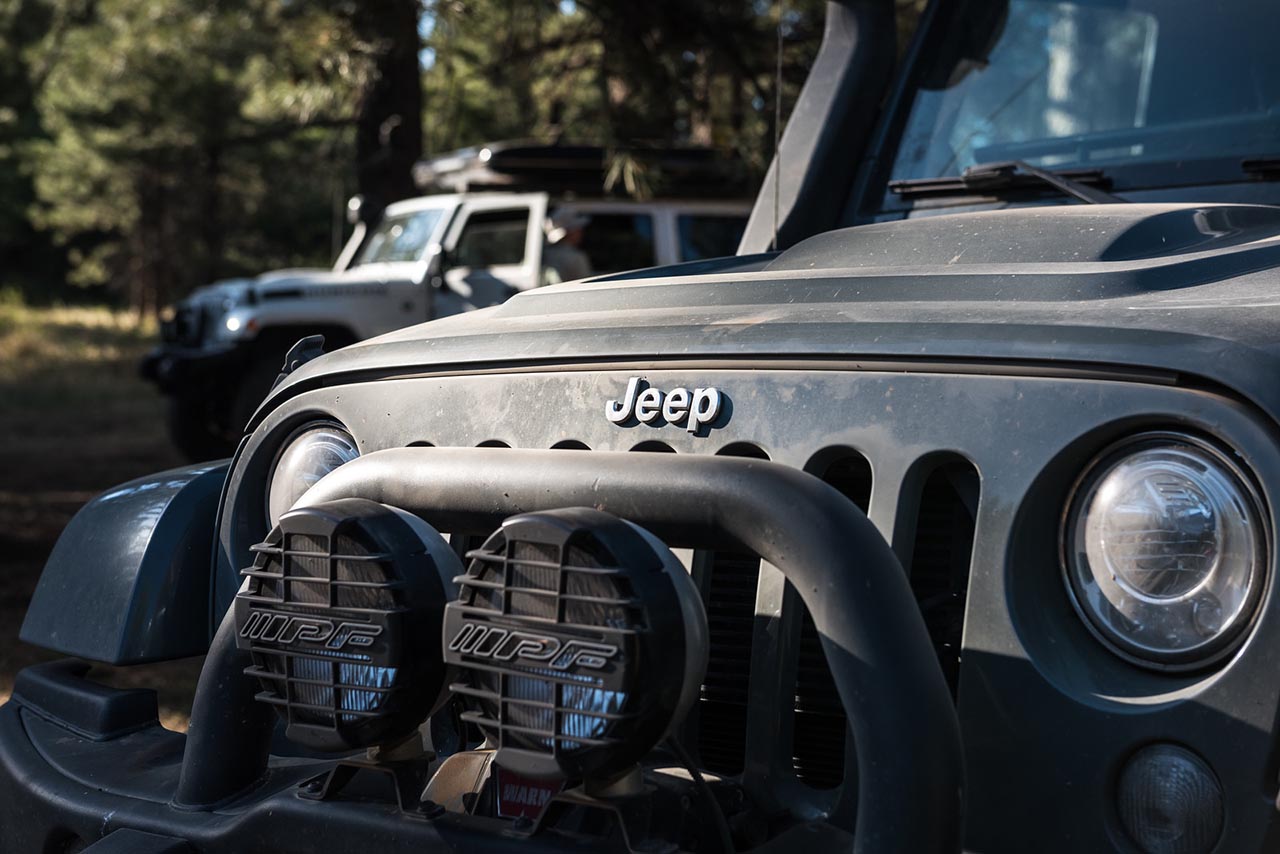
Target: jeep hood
293,273
1192,291
275,280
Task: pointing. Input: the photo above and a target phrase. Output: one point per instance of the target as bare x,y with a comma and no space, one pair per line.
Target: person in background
562,257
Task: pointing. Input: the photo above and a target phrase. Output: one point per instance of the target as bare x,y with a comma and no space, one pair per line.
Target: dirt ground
75,419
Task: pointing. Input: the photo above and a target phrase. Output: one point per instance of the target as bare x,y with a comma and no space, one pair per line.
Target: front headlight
237,324
1164,550
308,456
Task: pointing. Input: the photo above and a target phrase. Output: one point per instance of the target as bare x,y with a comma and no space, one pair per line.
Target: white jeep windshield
1092,83
403,237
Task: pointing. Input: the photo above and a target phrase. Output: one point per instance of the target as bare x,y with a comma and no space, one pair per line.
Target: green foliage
184,139
150,146
22,248
663,72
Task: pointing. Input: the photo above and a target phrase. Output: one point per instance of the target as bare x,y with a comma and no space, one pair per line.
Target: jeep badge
696,409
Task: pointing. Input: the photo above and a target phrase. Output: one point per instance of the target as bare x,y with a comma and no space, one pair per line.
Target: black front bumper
176,369
62,791
81,764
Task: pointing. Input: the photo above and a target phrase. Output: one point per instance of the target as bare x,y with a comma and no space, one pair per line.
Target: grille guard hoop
910,764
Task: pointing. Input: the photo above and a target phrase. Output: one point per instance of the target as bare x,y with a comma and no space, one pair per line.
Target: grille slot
850,475
941,555
818,741
731,586
653,446
820,727
722,709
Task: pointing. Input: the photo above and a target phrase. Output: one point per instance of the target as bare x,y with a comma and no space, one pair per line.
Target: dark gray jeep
949,526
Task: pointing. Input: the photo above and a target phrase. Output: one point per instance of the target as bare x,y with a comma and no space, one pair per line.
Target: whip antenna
777,127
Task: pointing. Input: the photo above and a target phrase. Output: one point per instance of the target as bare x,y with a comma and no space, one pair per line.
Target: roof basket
583,170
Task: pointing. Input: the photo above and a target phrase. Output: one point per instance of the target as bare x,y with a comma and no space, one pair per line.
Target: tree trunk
389,125
211,221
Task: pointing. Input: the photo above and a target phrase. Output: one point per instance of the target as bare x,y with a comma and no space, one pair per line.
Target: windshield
1097,83
403,237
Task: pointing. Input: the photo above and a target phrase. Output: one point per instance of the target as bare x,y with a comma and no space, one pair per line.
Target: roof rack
583,170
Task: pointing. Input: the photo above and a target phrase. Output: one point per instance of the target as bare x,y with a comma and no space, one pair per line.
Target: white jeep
426,258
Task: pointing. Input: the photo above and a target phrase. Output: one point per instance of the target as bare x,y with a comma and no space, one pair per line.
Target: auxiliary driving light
1165,550
1169,801
341,614
581,642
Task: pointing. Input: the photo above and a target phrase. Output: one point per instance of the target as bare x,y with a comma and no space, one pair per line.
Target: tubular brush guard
220,789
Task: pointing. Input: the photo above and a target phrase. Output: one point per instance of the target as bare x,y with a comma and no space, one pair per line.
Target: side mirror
438,262
354,205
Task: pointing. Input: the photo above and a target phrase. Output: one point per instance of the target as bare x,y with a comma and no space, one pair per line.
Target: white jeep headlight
310,455
1165,550
236,324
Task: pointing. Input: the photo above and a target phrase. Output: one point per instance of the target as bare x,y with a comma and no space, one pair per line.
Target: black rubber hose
910,766
229,737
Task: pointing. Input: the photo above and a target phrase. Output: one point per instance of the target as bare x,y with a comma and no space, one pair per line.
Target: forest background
151,146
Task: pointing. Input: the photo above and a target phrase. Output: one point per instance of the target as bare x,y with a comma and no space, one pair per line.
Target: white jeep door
493,250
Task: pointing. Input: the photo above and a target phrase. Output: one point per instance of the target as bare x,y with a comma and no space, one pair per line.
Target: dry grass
75,419
46,341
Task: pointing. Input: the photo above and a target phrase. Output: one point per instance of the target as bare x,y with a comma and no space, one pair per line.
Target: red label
520,797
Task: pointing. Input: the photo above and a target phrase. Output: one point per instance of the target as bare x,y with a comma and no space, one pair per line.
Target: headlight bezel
287,443
1229,639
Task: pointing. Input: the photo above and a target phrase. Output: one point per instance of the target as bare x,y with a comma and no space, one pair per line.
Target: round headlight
309,456
1165,549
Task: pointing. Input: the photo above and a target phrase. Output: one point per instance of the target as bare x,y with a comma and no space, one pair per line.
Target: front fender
128,580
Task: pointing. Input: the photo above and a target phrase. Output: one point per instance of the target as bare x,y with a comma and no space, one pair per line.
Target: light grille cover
581,642
340,613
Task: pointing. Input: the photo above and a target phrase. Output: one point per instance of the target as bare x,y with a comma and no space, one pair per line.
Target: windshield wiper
1081,184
